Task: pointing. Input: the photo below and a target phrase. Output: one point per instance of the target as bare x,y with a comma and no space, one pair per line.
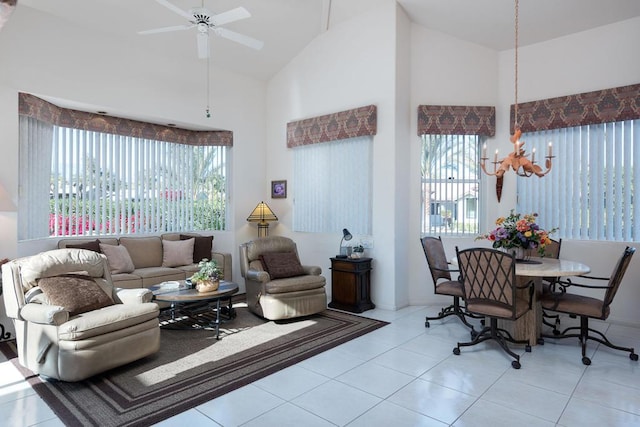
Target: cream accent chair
280,298
54,344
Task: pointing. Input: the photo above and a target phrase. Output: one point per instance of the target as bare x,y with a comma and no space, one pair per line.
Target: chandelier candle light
518,159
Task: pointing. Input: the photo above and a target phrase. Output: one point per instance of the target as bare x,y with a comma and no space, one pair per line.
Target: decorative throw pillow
76,293
201,248
118,257
282,264
176,253
92,245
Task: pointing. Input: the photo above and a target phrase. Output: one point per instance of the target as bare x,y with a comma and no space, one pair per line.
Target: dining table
529,326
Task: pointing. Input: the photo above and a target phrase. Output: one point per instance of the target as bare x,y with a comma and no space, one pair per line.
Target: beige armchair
277,285
70,322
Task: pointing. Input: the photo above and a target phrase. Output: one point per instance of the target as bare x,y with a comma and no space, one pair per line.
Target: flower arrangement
519,231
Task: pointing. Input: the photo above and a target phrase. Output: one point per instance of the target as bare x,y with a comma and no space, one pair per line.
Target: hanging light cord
515,122
208,87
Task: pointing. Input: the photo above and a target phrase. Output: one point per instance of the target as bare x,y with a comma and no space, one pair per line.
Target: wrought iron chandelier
518,159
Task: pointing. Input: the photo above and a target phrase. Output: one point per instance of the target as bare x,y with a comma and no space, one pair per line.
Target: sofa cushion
282,264
76,293
91,245
177,253
295,284
144,251
118,257
201,248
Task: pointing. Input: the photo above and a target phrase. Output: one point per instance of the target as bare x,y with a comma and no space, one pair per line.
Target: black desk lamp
345,236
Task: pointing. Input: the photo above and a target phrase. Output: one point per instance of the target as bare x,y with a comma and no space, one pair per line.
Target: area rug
192,367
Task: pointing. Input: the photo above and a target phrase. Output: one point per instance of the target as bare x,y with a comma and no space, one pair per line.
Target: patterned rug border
284,354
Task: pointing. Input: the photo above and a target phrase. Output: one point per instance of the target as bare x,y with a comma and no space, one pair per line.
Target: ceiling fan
205,22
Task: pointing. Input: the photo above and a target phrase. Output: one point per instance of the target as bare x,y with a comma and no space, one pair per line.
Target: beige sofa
277,285
72,326
150,259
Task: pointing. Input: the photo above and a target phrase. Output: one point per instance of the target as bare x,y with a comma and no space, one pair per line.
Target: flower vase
521,254
208,286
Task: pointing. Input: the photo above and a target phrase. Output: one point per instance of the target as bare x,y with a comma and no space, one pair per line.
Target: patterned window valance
40,109
456,120
331,127
602,106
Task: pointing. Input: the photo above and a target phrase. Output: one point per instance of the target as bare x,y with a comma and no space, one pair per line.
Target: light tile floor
406,375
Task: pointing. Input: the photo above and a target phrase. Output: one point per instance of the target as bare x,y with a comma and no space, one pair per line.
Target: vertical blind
93,183
332,186
591,190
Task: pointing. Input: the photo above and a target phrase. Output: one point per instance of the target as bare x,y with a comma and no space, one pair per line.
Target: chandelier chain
515,121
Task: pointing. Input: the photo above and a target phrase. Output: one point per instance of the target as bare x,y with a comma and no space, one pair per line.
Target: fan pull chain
208,87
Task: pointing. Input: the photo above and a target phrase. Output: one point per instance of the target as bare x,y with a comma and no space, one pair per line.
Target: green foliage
208,271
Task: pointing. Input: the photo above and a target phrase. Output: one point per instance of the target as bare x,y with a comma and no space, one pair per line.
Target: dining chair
587,307
552,250
491,290
443,283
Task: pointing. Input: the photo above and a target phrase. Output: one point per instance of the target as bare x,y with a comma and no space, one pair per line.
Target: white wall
346,67
444,71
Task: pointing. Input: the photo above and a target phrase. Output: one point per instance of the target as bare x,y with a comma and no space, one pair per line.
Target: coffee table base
193,316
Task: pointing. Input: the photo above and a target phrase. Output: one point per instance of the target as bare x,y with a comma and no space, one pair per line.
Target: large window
592,188
450,184
77,182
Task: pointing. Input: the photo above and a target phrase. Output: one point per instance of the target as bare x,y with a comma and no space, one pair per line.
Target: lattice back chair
589,307
552,250
443,284
491,289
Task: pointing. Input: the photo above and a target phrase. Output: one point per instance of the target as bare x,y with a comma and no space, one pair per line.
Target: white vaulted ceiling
287,26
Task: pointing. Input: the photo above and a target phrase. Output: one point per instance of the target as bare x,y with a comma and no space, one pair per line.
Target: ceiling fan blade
239,38
166,29
230,16
203,45
176,9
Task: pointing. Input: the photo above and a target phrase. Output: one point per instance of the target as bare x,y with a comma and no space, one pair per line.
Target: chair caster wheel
456,351
586,361
633,357
527,348
515,364
426,324
556,332
541,341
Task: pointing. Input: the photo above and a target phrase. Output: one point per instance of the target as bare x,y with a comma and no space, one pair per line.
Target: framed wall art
279,189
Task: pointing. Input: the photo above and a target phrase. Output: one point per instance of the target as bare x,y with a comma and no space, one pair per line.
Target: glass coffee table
187,305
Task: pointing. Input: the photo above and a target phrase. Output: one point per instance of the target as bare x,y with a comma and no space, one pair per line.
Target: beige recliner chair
277,285
57,343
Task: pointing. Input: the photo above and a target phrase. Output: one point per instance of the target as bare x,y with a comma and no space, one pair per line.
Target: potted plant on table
357,252
207,279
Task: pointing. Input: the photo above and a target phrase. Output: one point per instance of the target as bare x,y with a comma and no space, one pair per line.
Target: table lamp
262,214
345,236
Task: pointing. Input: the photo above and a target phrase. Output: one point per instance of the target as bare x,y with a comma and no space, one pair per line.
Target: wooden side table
350,284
